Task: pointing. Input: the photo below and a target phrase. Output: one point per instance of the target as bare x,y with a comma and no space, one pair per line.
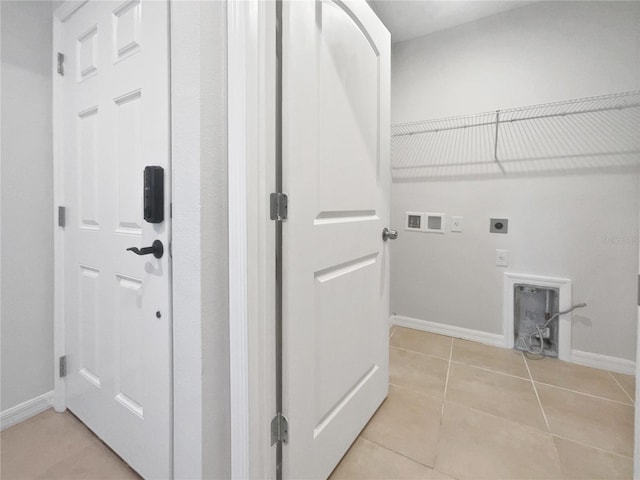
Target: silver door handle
389,234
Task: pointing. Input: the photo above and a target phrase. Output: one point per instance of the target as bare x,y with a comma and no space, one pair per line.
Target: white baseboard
605,362
25,410
449,330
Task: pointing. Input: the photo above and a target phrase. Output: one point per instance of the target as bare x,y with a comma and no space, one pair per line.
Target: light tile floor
57,446
456,409
459,409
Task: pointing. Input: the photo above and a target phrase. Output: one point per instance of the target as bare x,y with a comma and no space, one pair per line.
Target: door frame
60,15
251,29
636,446
252,80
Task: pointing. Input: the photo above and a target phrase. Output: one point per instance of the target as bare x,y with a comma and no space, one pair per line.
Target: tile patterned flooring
463,410
56,446
456,409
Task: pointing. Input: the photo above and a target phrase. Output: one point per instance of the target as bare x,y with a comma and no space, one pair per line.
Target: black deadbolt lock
154,194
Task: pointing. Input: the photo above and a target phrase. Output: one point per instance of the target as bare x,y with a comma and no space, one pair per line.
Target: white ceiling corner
408,19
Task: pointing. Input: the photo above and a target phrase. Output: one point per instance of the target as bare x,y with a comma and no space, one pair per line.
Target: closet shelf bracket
495,148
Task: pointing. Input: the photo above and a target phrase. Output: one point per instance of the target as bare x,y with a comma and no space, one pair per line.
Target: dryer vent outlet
533,306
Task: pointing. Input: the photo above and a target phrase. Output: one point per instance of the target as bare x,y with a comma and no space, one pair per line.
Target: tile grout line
489,370
544,415
619,402
551,385
530,376
521,378
498,417
446,381
444,401
484,412
393,332
70,422
416,392
621,387
517,377
419,353
531,427
550,435
591,446
397,452
535,390
404,456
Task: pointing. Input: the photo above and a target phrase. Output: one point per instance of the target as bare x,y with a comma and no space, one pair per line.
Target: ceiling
407,19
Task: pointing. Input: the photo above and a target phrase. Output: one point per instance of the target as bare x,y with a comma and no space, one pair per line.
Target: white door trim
200,238
636,449
239,24
59,344
60,15
251,137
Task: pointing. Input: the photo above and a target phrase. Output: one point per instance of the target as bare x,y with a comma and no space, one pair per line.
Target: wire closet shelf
575,135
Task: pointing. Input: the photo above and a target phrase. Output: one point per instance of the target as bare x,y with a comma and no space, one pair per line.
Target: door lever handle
389,234
156,249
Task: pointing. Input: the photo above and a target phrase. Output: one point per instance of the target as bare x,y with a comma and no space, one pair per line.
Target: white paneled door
336,60
114,114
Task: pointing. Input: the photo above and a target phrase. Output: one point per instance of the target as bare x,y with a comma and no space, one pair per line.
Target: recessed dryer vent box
534,305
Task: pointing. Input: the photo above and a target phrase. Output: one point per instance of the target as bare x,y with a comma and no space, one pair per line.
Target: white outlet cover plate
456,224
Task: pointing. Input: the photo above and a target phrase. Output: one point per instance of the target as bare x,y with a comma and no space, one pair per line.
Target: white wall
26,203
581,226
200,241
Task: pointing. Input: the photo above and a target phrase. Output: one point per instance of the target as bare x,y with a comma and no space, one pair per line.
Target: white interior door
115,121
336,60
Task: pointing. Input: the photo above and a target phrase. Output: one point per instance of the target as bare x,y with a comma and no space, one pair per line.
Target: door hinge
279,429
62,216
60,63
63,366
279,206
